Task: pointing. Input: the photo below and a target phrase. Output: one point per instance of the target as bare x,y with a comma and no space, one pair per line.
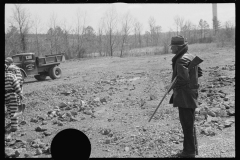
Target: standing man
185,93
13,95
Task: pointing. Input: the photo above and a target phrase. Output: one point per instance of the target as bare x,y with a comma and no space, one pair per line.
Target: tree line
116,34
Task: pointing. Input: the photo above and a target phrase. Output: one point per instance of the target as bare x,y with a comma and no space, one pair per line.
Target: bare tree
11,41
179,21
127,21
66,30
111,20
205,29
166,40
229,30
81,22
158,30
50,33
137,33
152,25
147,36
21,17
53,20
36,25
100,36
195,32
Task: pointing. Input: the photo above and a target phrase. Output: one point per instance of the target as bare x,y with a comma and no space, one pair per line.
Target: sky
163,13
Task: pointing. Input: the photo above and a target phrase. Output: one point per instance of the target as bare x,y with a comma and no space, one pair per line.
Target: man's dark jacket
185,91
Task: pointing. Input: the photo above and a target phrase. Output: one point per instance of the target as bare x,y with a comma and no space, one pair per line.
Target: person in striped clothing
13,95
14,69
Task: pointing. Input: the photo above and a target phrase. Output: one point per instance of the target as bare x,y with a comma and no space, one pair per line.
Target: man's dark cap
178,41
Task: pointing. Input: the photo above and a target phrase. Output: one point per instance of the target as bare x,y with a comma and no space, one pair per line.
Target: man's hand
21,97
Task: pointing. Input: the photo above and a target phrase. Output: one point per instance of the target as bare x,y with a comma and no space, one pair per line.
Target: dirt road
120,96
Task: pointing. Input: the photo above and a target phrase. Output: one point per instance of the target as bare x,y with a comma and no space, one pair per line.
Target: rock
175,138
62,105
35,145
34,120
152,97
105,131
87,112
8,138
231,112
216,111
46,150
73,119
208,131
41,145
107,141
197,110
223,113
60,114
97,99
211,113
212,119
44,122
68,114
47,133
53,112
38,151
56,108
67,108
83,103
60,124
203,90
207,124
18,152
225,99
203,112
102,100
23,123
40,118
228,123
82,118
127,149
9,152
40,129
200,117
74,113
27,155
54,122
227,107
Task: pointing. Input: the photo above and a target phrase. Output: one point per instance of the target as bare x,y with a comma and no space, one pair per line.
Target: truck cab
26,61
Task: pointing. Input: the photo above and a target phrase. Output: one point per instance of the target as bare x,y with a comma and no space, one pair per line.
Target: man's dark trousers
187,117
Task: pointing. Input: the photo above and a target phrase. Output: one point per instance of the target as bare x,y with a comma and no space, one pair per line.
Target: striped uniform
12,93
15,70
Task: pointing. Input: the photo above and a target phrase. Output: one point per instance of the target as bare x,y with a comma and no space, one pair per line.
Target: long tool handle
173,82
195,139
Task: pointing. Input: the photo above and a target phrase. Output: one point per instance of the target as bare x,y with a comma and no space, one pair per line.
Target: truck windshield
17,59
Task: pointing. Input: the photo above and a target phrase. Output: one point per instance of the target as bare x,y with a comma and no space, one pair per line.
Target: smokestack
214,10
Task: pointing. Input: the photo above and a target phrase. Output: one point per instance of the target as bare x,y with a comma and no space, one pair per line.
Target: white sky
163,13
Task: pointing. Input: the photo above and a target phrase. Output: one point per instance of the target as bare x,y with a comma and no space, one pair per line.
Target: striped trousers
12,102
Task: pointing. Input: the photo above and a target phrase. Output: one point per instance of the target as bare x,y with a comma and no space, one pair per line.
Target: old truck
40,67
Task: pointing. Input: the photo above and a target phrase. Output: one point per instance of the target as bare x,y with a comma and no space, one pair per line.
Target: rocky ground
111,101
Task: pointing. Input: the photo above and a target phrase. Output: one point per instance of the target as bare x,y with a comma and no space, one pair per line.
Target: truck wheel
40,77
55,72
